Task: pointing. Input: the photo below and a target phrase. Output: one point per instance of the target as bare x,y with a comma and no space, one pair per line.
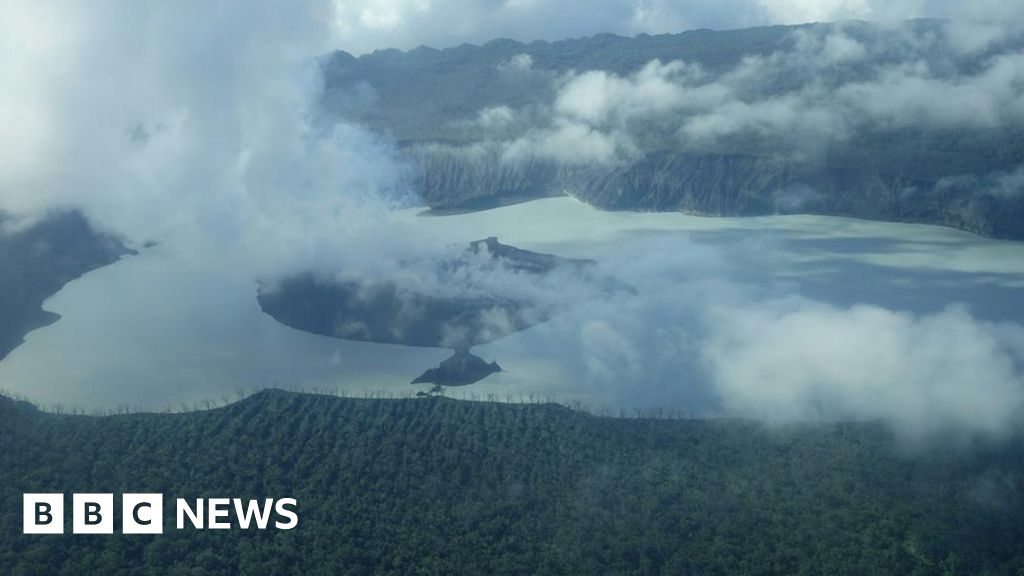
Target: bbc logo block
93,514
142,513
43,514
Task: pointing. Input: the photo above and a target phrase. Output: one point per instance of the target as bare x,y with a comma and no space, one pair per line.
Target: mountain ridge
431,103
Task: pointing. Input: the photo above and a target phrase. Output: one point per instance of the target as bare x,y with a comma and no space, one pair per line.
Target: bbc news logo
143,513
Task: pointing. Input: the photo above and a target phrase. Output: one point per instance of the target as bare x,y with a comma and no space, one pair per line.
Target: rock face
727,185
461,369
449,180
38,261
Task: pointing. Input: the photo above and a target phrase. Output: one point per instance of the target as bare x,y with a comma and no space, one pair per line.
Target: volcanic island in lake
458,313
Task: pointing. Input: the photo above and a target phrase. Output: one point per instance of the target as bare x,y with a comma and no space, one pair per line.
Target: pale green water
155,330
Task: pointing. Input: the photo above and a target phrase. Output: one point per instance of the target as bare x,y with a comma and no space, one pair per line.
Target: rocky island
463,314
461,369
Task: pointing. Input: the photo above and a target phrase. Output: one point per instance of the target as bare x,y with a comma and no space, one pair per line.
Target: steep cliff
724,185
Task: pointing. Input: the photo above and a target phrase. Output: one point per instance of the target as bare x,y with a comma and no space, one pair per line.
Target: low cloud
198,133
1003,184
803,360
700,336
595,116
568,142
828,86
518,63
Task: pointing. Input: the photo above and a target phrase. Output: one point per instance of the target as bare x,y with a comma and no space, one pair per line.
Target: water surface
160,330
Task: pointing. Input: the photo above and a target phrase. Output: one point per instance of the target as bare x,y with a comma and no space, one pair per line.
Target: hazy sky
363,26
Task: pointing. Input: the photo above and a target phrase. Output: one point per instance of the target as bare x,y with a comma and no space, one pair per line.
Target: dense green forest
439,486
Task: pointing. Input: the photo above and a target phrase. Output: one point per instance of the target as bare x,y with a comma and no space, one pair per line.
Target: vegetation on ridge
437,486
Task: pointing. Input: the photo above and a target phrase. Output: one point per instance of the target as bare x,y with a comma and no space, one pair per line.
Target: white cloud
518,63
790,11
800,360
610,358
911,95
197,131
590,120
597,97
568,142
699,335
1002,183
825,87
496,118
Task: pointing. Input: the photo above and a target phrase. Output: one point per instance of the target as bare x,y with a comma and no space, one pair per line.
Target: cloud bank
930,374
701,337
194,131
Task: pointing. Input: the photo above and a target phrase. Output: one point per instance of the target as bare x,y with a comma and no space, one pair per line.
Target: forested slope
850,118
437,486
37,261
